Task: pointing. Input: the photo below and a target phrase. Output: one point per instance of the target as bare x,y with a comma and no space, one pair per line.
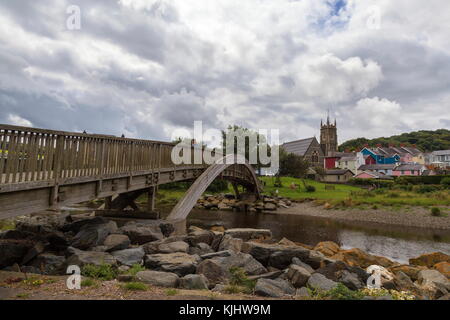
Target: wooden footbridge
44,169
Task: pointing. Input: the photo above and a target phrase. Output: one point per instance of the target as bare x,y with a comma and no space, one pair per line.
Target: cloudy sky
147,67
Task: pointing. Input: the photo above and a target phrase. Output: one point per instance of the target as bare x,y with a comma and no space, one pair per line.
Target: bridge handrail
32,155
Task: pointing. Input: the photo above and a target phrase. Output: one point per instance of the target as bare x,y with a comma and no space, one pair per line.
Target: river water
398,243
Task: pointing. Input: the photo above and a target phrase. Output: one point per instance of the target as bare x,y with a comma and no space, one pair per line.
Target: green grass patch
135,286
88,282
7,225
102,272
171,292
135,268
239,280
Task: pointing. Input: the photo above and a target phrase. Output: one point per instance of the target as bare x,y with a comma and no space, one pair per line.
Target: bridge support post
151,199
236,190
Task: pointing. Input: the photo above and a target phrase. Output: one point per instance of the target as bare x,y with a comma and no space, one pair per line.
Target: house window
315,157
403,172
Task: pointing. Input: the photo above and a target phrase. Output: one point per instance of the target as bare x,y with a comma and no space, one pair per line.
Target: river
397,243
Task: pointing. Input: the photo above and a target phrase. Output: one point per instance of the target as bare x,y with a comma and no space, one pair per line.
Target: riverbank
418,217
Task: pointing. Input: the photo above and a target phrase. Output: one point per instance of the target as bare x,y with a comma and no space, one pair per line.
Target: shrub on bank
436,212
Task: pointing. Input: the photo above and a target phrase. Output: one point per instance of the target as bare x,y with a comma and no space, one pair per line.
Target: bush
426,189
446,182
135,269
310,189
436,212
379,183
135,286
218,185
239,278
340,292
171,292
102,272
88,282
417,180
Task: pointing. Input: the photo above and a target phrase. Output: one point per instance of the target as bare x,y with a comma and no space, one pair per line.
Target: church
313,151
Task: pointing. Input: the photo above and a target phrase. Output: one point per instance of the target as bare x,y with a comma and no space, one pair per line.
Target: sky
146,68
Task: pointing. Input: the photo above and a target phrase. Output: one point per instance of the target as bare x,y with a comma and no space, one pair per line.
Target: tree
292,165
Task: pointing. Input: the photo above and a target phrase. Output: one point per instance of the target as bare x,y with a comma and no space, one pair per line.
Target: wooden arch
185,205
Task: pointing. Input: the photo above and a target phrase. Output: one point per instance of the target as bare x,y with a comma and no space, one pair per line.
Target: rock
219,288
249,234
123,268
172,247
350,280
300,263
153,247
142,233
357,257
92,235
433,276
13,251
298,276
403,282
410,271
115,242
334,271
125,277
273,288
76,226
315,259
213,271
49,264
179,263
445,297
268,275
302,293
81,258
37,249
230,243
30,269
194,282
270,207
328,248
225,253
319,282
129,257
200,249
16,235
286,242
283,258
274,255
218,269
197,235
158,278
224,207
444,268
430,259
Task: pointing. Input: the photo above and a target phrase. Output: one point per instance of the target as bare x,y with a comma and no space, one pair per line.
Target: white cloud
19,121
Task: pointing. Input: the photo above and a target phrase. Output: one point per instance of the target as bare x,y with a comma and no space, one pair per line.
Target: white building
440,158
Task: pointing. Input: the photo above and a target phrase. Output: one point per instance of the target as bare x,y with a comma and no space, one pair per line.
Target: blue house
381,157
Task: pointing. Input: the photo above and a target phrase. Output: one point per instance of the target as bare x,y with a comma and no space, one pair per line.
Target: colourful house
381,157
409,170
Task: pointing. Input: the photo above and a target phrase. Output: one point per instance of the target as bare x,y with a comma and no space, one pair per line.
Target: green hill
426,141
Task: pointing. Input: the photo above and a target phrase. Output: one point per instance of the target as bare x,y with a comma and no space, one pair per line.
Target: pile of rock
228,202
203,259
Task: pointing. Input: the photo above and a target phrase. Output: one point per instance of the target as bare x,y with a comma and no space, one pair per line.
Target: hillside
426,141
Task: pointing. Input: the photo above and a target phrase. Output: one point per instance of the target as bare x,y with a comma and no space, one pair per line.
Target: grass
135,286
171,292
239,281
23,295
88,283
135,268
102,272
6,225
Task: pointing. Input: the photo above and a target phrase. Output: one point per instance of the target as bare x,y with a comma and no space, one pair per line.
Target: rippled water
395,242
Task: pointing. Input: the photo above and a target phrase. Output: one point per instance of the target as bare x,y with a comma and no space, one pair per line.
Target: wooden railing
33,155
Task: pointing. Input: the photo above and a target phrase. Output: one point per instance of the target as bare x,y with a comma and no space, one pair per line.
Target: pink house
406,158
409,170
369,175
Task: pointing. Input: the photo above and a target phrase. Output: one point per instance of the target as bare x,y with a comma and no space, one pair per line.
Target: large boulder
13,251
298,276
158,278
350,280
320,283
278,256
201,249
444,268
430,259
230,243
81,258
433,284
218,269
300,263
274,288
179,263
153,247
410,271
140,233
357,257
76,226
194,282
115,242
129,257
197,235
49,264
334,271
249,234
328,248
172,247
91,235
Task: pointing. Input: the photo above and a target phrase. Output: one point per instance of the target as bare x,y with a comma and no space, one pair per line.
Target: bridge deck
44,169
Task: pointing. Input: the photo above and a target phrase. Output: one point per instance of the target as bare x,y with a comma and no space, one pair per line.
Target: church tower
328,137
